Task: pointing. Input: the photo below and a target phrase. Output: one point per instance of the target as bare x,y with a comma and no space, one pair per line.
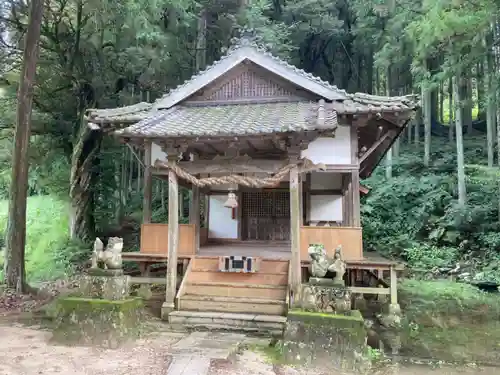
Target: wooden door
266,216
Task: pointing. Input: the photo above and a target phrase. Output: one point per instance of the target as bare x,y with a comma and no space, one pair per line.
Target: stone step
258,306
270,325
207,288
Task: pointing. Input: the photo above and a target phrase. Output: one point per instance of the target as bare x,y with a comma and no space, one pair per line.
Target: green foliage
49,252
417,219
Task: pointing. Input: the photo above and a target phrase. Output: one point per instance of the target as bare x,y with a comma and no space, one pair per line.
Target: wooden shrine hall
273,157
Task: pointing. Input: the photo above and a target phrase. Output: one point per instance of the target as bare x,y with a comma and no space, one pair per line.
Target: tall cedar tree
16,227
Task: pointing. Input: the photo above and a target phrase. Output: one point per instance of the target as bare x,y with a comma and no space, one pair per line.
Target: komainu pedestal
323,294
101,312
328,342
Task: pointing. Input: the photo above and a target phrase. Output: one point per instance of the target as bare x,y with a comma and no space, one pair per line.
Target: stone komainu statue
111,257
321,263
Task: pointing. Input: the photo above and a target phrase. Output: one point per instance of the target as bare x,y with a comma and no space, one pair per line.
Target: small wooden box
231,263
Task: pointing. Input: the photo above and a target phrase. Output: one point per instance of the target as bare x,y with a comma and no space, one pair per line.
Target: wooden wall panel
351,240
154,239
203,236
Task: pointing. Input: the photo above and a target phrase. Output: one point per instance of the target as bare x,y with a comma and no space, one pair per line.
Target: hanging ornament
231,202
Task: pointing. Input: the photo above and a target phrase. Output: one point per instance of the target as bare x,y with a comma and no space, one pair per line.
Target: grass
48,249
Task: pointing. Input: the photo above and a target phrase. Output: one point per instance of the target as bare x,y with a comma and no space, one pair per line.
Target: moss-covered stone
325,340
105,287
97,322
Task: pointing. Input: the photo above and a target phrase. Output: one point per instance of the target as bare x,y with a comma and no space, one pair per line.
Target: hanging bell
231,202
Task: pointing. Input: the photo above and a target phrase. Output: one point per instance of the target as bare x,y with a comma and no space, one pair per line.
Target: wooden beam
374,147
241,164
296,271
148,185
173,241
194,215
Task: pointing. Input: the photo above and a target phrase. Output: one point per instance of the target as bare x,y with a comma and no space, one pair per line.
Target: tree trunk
427,109
201,41
15,275
82,179
450,109
441,103
462,195
388,157
490,92
466,99
481,90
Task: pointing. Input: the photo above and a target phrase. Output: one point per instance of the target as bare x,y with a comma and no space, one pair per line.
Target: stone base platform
325,340
105,284
96,322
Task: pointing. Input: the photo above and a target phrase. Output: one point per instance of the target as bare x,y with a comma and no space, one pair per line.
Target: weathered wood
356,205
173,240
394,286
367,290
148,280
148,185
307,198
295,231
374,147
194,215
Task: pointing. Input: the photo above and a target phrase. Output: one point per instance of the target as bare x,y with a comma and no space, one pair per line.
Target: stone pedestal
112,288
96,322
326,341
323,295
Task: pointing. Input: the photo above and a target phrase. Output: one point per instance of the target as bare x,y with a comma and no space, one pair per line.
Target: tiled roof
128,114
237,119
248,50
366,103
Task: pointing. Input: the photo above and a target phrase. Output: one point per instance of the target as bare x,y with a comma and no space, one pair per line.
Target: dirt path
250,363
25,351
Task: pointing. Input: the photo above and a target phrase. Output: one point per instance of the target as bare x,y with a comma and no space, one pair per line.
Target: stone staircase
252,302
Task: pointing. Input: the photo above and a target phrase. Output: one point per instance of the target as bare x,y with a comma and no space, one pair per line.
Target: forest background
433,202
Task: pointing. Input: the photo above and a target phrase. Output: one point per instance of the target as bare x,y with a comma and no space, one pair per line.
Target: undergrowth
49,252
414,216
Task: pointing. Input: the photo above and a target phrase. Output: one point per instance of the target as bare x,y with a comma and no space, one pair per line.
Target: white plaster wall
220,222
335,150
326,208
326,181
157,153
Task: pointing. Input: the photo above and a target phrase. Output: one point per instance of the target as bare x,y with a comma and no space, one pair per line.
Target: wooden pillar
295,277
356,205
148,184
347,200
356,209
301,199
307,197
394,287
173,240
194,215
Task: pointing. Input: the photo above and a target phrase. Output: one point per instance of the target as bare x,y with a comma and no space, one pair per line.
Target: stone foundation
112,288
327,341
325,297
96,322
